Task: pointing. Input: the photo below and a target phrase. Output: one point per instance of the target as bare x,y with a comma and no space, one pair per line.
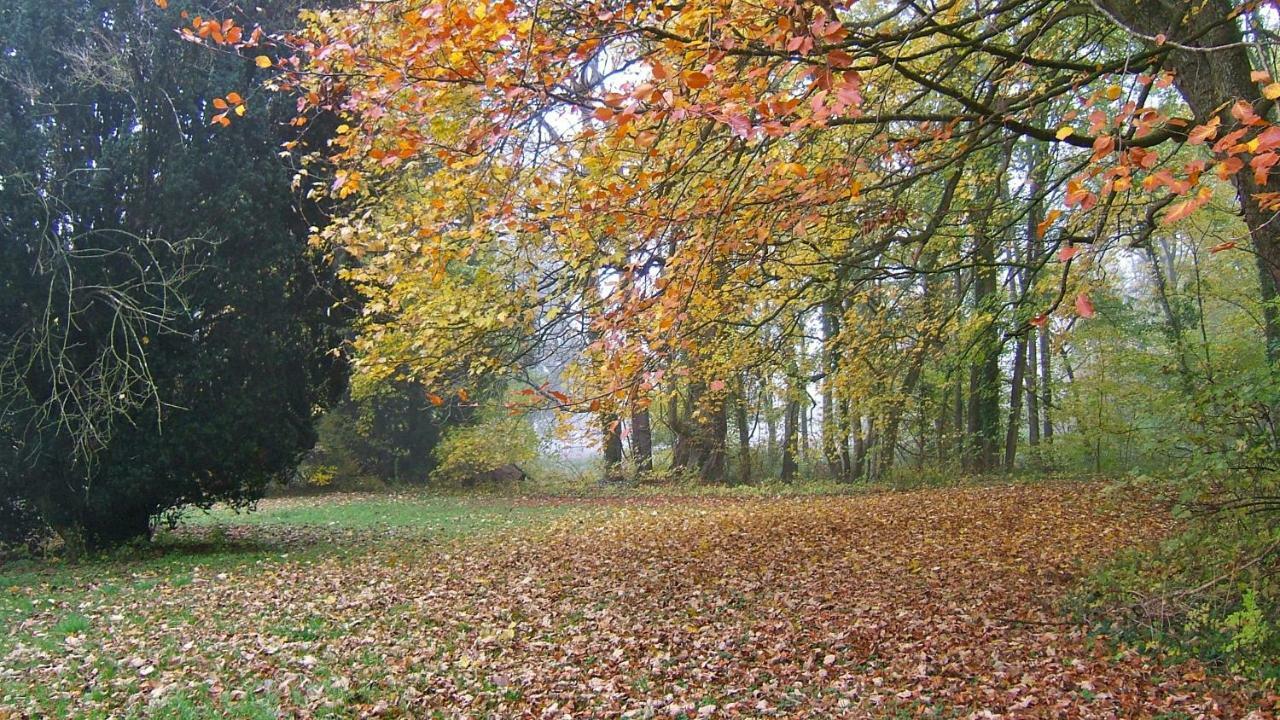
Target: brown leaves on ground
930,604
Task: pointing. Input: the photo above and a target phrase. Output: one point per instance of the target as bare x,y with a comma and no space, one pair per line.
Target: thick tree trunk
680,443
889,447
612,429
871,446
790,431
706,430
714,431
806,406
958,421
642,439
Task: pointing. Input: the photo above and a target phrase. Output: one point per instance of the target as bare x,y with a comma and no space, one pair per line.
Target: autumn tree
662,183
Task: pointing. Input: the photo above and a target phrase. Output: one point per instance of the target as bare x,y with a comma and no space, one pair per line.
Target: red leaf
1084,306
1068,252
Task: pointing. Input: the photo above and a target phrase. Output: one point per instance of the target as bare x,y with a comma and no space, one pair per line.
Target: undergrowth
1210,591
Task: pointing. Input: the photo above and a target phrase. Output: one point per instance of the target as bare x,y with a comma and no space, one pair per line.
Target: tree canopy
678,198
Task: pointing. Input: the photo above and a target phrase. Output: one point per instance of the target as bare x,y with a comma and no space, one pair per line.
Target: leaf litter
938,603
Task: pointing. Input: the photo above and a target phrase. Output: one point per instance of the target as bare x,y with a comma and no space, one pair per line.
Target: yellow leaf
1113,92
1064,132
240,109
262,61
1272,91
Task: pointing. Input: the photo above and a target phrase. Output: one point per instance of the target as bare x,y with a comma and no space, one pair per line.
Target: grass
222,540
303,530
450,515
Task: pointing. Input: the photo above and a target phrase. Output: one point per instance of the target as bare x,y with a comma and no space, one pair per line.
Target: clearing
935,603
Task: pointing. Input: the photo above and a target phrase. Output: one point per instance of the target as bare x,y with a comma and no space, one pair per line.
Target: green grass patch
416,511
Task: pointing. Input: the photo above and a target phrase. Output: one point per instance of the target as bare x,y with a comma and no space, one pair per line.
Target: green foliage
1210,591
495,440
388,432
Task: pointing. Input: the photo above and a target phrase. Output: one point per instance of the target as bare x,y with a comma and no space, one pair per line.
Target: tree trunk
1015,403
830,433
1174,330
889,446
806,405
846,460
642,439
706,429
770,424
680,443
871,446
859,469
1033,401
744,434
1046,389
612,429
790,430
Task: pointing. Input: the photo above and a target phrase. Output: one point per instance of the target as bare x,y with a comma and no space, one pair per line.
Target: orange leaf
162,4
696,80
234,98
435,399
603,114
1181,211
1040,320
220,103
1222,246
1043,225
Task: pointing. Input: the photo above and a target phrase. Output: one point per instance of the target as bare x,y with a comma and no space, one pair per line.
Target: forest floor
932,603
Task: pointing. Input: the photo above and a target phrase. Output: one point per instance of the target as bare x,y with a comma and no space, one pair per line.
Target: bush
1211,591
388,433
494,441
